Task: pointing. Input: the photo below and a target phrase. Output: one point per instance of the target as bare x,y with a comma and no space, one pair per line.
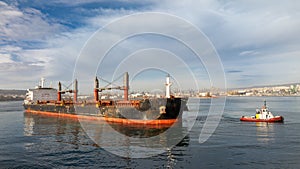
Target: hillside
12,95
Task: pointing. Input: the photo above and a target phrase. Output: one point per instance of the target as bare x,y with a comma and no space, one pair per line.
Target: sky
257,42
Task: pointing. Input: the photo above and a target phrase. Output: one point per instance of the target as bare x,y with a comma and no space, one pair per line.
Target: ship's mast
168,86
59,92
126,86
75,90
42,82
96,90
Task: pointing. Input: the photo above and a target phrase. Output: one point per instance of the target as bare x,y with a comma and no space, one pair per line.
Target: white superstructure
40,93
264,112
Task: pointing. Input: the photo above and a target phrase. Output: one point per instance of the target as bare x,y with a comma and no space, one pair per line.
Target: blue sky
258,42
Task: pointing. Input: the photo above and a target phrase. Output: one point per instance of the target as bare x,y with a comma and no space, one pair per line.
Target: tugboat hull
278,119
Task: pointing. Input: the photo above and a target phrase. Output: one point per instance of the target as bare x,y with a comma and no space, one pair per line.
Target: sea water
34,141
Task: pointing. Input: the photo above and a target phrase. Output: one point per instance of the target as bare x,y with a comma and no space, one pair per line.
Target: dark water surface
35,141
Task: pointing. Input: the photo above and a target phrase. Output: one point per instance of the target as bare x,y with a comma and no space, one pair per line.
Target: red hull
108,119
272,120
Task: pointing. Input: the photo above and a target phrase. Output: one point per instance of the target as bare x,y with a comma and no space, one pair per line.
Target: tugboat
263,115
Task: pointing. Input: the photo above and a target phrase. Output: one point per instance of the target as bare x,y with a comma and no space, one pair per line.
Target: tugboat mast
265,103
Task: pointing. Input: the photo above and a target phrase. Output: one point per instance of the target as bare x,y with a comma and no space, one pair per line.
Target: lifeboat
263,115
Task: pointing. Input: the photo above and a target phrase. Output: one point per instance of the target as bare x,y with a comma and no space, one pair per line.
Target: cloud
251,37
40,43
105,3
236,24
5,58
24,25
248,52
25,51
234,71
53,57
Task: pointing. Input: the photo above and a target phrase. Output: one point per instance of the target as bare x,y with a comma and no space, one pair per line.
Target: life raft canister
162,110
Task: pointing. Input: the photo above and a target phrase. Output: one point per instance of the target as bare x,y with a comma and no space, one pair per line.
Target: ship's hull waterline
116,113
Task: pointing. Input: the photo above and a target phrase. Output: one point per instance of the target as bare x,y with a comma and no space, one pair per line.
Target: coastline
10,98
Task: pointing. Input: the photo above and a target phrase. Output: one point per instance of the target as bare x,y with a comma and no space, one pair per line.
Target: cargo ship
145,111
